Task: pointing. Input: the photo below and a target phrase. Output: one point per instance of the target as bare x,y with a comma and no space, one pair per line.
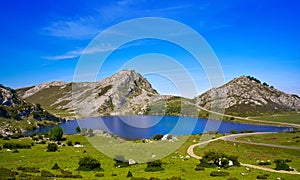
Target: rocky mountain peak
246,95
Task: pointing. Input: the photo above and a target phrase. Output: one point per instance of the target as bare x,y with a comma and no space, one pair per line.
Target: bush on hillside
55,166
89,164
52,147
157,136
219,173
153,166
281,165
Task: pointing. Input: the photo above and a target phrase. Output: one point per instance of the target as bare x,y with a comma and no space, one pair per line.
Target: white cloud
77,53
81,28
87,27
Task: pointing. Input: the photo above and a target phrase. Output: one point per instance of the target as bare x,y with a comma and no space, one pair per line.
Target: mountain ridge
127,92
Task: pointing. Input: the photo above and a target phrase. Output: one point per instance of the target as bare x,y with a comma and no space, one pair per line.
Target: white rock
131,162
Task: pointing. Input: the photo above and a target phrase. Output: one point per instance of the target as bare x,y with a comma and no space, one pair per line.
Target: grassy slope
292,117
251,154
68,157
47,97
286,139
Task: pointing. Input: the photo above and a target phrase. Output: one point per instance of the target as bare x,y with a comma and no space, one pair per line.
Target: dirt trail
232,137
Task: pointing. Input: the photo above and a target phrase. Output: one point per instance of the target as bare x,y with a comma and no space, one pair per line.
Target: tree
78,130
52,147
56,133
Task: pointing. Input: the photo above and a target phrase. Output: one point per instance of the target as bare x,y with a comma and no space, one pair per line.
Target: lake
140,127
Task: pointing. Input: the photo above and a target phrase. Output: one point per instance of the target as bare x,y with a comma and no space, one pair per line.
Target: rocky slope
14,108
126,92
247,96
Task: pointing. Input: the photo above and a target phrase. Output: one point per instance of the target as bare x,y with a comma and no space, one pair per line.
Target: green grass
285,117
252,154
67,158
287,139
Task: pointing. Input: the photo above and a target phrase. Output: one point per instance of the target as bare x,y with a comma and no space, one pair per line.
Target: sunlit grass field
68,156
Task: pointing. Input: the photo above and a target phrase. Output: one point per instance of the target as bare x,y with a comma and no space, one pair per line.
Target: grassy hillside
48,96
68,156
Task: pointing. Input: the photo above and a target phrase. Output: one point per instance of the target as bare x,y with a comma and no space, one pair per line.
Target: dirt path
232,137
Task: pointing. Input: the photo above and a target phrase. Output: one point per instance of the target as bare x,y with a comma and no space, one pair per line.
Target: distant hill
247,96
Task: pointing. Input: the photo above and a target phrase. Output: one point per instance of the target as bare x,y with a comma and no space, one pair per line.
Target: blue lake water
139,127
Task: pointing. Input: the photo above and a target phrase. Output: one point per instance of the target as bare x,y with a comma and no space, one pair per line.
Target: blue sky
43,40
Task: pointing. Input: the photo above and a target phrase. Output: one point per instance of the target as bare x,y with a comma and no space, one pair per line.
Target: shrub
199,168
264,163
78,130
99,175
76,143
55,166
29,169
281,165
153,166
45,173
16,146
69,143
129,174
35,138
15,151
7,173
40,137
157,136
113,174
264,176
56,133
288,160
217,173
89,164
52,147
233,178
233,131
120,161
6,138
249,131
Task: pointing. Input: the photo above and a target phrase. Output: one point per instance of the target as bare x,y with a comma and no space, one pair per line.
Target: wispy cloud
81,28
76,53
87,27
91,50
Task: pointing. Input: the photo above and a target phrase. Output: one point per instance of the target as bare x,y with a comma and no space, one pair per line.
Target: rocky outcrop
14,107
248,96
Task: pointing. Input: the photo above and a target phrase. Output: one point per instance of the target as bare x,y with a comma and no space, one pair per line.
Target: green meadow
175,164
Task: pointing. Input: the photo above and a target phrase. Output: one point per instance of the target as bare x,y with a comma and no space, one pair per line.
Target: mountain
126,92
247,96
16,110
